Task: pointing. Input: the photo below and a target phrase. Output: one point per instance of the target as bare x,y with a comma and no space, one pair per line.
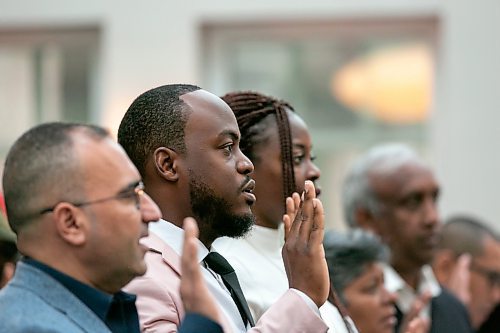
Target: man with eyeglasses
78,207
468,263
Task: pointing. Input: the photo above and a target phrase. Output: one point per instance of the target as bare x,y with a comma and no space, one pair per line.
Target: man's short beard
213,213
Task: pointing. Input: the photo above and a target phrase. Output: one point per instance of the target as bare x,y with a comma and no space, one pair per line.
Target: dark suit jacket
448,315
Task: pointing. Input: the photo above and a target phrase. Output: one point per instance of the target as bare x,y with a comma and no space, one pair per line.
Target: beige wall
149,43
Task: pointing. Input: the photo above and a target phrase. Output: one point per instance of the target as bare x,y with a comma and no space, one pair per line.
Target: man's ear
71,224
366,220
165,163
7,273
443,265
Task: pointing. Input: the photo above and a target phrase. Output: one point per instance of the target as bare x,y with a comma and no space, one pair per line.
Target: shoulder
28,312
449,314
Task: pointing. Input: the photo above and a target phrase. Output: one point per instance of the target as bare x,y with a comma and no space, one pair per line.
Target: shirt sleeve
194,323
308,300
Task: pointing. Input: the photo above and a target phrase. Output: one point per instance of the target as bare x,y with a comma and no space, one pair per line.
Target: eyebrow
232,134
130,186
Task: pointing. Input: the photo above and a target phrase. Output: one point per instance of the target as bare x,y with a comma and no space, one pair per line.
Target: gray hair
357,192
348,254
42,167
465,234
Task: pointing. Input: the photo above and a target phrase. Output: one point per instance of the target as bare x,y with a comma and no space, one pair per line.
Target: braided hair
250,109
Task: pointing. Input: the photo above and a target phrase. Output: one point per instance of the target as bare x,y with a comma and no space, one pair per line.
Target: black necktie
219,265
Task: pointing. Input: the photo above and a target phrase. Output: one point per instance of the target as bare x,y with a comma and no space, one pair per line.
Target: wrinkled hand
412,317
194,292
458,283
303,252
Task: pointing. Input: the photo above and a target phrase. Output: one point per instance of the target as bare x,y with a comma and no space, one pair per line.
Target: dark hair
465,234
347,256
252,110
156,118
42,167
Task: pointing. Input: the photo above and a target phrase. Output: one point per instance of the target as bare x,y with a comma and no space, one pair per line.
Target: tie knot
218,263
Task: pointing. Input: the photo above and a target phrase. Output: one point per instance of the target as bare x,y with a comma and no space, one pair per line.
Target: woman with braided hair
277,141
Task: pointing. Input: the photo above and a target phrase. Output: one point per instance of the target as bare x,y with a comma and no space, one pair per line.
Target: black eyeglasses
492,276
134,191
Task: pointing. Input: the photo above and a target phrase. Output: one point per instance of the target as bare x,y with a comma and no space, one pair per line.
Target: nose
150,212
431,214
244,165
388,297
313,173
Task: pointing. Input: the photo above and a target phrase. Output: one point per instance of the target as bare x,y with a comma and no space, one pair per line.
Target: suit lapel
57,296
169,256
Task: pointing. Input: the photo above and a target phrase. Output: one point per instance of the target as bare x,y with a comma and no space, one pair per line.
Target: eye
128,194
413,201
228,148
297,159
371,288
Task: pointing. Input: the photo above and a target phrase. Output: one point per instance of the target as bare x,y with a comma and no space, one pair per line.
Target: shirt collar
406,294
174,237
99,302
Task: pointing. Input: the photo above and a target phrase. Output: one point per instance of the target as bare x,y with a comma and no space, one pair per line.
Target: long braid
250,108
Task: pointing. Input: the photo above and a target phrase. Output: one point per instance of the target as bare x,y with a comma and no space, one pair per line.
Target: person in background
355,262
391,192
277,141
8,252
80,211
468,264
185,142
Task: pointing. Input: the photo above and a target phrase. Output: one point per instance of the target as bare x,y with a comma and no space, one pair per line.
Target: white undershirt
406,294
259,266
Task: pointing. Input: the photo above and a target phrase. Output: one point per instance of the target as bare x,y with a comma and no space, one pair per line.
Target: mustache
244,183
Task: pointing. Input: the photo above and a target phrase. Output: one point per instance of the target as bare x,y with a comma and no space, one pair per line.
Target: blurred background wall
360,72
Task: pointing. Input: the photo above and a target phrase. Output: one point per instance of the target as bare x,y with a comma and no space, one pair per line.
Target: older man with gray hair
393,193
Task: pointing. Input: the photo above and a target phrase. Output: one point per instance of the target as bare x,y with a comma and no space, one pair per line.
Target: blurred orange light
392,84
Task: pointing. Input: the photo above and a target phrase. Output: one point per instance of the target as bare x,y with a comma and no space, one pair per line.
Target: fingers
318,226
293,212
194,293
306,213
189,248
287,219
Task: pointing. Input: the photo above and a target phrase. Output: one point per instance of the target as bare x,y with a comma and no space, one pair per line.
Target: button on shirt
117,311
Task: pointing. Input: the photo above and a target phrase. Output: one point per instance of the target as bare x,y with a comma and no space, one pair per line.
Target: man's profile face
408,221
113,251
484,282
214,212
219,182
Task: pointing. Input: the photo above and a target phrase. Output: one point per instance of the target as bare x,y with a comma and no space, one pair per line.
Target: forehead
491,255
408,178
105,164
298,130
210,117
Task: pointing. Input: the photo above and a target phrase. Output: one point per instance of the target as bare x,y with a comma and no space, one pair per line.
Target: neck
409,273
267,223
